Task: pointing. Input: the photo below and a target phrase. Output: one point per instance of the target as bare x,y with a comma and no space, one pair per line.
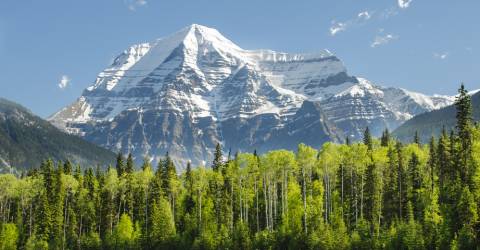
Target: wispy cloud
134,4
441,56
381,39
64,82
403,4
364,15
338,27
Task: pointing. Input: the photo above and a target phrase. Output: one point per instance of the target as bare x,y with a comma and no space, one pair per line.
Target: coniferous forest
374,194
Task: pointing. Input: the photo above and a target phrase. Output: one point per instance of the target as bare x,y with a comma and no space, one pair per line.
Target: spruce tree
432,163
385,139
402,190
416,138
463,104
416,184
120,165
373,194
67,167
130,165
217,158
367,139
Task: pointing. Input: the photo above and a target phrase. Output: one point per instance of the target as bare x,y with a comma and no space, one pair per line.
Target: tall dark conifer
217,158
416,183
130,165
120,165
463,104
367,138
416,138
385,139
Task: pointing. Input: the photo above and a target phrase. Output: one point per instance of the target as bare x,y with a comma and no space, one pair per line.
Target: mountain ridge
27,140
432,123
184,93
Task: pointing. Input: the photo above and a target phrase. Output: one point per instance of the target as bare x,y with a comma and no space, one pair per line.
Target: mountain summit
184,93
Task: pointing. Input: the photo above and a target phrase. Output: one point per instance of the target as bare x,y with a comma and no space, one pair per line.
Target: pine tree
163,225
391,197
367,139
416,138
67,167
463,104
120,166
129,192
44,218
402,190
347,140
432,163
130,165
385,139
416,184
217,158
444,164
373,197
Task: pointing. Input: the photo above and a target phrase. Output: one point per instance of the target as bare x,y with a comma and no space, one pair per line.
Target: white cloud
441,56
382,39
133,4
403,4
337,27
365,15
64,82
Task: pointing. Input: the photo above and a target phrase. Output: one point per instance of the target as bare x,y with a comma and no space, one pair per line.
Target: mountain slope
184,93
26,140
432,123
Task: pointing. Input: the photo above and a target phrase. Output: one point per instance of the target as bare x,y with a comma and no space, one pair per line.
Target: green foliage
8,237
24,146
365,195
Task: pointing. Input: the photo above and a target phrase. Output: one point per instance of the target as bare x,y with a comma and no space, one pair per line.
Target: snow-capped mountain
188,91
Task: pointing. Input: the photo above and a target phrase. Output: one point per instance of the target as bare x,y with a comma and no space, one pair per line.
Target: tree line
374,194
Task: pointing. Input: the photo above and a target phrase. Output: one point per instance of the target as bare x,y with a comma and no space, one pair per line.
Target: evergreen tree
402,190
120,165
463,104
432,163
416,184
367,139
385,139
217,158
130,165
163,225
67,167
373,197
416,138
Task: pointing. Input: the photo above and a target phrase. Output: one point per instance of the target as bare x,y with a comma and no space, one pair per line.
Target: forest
374,194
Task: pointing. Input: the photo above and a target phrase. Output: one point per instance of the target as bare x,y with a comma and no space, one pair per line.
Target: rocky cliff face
188,91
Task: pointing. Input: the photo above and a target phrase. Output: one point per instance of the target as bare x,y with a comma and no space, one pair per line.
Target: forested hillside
26,139
432,123
377,194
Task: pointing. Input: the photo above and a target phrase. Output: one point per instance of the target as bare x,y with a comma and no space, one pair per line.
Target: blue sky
51,50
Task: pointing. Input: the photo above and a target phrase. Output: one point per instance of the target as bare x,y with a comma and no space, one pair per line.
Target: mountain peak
197,88
196,34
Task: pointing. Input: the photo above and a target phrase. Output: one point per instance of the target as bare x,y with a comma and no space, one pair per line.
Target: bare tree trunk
304,196
361,199
275,199
30,222
256,204
65,222
265,201
200,210
232,215
240,198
